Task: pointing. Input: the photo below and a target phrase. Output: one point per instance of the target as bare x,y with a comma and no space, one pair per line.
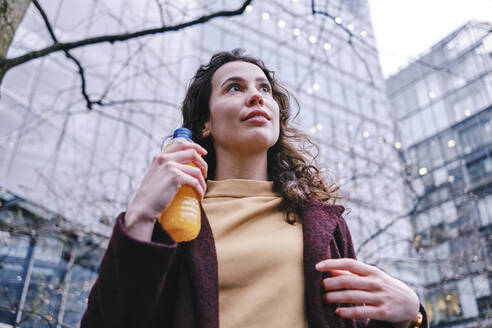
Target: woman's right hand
167,173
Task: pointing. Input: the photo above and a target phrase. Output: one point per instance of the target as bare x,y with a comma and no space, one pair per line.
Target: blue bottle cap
182,133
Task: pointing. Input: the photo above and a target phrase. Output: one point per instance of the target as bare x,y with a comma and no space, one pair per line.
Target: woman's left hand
375,294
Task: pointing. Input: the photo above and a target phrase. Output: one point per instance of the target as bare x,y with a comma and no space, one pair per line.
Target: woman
272,252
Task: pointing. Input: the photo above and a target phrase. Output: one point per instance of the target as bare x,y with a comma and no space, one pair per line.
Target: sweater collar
238,188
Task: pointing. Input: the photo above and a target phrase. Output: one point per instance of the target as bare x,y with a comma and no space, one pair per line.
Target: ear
206,129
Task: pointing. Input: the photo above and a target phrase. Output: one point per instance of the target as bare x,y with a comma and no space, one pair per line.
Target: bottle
182,218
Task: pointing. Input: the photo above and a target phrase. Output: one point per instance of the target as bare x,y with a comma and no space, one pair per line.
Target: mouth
257,115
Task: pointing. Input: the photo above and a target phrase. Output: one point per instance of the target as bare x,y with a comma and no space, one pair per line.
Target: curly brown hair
291,165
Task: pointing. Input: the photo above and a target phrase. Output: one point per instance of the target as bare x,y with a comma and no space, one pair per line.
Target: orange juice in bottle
182,218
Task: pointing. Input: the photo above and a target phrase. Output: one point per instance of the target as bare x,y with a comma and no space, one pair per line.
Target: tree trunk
11,13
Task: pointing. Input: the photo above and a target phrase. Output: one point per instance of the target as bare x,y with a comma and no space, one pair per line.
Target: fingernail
320,266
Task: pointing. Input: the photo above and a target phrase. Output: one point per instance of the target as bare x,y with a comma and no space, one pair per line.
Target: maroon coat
165,284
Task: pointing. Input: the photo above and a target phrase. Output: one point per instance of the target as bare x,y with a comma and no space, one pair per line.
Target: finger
185,157
193,171
351,265
336,273
360,312
190,176
351,282
353,296
183,145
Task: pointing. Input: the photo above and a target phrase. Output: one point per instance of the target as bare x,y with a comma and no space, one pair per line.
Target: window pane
440,115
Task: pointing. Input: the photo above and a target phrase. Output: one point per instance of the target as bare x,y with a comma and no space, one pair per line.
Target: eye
265,87
234,87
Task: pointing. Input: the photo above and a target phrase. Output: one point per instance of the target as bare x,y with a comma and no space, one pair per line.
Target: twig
7,64
89,102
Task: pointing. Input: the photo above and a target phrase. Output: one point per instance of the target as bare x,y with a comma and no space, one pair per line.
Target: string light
312,39
265,16
338,20
316,87
365,134
319,126
281,24
350,27
423,171
327,46
397,145
363,34
313,130
467,112
451,143
432,95
451,179
249,8
297,32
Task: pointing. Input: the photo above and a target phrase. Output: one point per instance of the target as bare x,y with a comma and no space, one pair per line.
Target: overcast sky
406,28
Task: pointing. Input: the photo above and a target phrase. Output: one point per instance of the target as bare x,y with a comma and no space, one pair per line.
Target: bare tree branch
7,64
75,60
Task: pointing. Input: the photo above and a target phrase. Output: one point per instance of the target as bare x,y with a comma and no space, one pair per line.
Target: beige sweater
261,281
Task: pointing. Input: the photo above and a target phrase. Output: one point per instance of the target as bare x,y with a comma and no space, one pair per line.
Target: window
480,168
449,146
416,126
485,305
13,246
433,86
440,115
429,124
485,210
444,306
81,281
287,69
422,93
410,99
406,133
337,93
353,100
398,106
487,130
455,178
11,283
471,138
424,161
43,296
462,106
347,60
212,36
48,250
232,41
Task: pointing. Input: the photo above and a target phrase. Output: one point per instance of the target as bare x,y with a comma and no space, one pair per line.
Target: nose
255,99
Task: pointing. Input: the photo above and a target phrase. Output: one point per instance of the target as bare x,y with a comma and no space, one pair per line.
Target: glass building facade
88,163
442,105
47,265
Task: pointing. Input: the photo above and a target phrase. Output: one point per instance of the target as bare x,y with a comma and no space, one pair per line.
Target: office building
442,105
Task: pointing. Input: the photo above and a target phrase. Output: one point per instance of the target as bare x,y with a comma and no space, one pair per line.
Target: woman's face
244,117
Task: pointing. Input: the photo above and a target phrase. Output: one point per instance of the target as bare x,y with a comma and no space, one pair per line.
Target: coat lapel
319,221
201,260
